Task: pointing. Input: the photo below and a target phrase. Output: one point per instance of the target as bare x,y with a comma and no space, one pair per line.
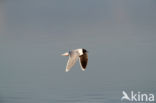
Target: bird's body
74,55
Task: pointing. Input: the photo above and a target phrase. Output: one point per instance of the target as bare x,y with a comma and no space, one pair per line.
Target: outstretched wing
83,61
73,56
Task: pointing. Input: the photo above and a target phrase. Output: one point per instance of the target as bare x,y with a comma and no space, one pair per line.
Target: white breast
79,51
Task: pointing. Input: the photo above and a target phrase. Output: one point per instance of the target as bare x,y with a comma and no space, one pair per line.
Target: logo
137,97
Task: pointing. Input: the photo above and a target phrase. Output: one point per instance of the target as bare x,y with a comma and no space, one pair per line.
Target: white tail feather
65,54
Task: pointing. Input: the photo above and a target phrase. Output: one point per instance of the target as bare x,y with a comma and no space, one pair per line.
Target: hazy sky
120,36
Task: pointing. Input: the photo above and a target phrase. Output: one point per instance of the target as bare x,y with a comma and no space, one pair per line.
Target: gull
81,53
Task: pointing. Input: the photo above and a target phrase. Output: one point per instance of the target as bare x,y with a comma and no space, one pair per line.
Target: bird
74,55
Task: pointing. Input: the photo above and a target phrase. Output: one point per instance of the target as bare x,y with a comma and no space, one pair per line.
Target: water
18,94
108,92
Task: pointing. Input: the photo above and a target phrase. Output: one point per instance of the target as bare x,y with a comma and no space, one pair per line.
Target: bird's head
84,50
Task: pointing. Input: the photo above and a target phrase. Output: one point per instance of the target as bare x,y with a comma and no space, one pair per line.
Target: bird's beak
65,54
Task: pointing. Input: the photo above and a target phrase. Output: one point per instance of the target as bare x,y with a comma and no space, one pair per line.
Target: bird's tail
65,54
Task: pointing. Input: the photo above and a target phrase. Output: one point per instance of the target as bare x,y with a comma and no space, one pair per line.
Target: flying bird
74,55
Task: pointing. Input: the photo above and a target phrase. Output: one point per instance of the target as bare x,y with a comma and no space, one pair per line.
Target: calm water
42,92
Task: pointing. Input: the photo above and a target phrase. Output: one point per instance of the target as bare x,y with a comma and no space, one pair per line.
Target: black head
84,51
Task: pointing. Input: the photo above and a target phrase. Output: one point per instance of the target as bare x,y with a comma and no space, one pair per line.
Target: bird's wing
73,56
83,59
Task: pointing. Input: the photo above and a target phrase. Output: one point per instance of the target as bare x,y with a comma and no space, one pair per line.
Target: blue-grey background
120,36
